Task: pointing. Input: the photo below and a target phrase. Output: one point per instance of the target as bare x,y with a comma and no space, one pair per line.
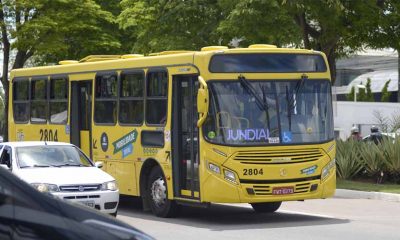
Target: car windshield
249,112
51,156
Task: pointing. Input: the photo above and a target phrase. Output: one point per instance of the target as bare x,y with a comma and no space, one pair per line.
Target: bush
379,162
391,152
373,160
348,162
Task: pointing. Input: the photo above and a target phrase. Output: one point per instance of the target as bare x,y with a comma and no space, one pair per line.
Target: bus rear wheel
268,207
157,190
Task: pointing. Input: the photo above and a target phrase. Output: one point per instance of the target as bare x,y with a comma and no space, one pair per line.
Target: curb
352,194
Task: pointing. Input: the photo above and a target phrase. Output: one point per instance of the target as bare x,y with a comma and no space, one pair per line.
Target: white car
63,170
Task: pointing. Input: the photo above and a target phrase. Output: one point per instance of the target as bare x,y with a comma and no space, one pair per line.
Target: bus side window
58,100
105,106
131,98
39,100
21,100
157,93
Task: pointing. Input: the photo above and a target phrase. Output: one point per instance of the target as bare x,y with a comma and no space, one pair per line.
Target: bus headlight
45,187
214,168
230,176
327,169
112,186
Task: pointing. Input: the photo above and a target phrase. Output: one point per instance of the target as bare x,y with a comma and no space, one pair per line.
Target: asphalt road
335,219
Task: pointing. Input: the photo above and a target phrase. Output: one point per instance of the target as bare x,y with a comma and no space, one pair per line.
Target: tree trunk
5,82
4,78
332,64
398,75
20,58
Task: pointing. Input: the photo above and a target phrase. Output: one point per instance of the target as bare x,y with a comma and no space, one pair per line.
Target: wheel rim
158,192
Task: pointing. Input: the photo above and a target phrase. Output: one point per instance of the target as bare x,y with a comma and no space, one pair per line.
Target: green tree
350,96
170,25
46,28
257,21
369,97
361,95
327,26
380,26
320,25
385,94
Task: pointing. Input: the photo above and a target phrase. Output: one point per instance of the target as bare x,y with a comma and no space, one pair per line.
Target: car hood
64,175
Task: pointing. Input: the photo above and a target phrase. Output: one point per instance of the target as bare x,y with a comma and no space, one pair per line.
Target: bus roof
112,62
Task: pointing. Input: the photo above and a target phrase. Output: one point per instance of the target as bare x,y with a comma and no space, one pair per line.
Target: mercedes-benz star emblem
81,188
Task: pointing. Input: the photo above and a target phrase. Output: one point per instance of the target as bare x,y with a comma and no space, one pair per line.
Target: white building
379,66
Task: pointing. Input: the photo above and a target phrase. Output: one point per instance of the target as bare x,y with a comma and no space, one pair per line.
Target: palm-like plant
391,152
348,159
373,159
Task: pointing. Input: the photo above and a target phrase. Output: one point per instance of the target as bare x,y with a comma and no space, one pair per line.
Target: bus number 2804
251,171
48,135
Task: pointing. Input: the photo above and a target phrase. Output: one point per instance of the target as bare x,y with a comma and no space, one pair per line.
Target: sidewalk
352,194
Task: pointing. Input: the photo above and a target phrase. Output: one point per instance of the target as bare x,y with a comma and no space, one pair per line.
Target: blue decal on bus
126,151
309,170
287,137
124,141
104,142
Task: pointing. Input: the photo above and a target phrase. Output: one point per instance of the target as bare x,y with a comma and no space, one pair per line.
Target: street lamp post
356,87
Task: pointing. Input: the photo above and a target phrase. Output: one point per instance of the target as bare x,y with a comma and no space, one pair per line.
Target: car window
5,157
51,156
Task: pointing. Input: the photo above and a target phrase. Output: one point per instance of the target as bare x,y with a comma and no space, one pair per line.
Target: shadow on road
226,217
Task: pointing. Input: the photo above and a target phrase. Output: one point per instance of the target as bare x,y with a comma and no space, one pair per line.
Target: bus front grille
267,189
278,156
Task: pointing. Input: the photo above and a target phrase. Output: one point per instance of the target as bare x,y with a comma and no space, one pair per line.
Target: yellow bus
246,125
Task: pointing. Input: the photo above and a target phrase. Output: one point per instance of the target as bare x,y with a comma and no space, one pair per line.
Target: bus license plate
88,203
282,190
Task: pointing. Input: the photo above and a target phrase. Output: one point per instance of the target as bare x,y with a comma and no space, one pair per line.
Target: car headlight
327,169
230,176
112,186
45,187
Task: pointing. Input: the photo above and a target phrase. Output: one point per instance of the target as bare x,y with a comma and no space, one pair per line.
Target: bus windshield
260,112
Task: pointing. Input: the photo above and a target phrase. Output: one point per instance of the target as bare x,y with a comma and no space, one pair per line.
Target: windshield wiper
297,88
70,165
292,99
261,103
35,165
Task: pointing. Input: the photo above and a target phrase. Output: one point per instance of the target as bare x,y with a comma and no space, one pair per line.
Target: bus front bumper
219,190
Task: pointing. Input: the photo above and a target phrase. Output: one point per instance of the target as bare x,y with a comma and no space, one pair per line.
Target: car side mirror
5,166
98,164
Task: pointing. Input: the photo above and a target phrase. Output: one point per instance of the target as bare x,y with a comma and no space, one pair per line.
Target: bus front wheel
268,207
160,205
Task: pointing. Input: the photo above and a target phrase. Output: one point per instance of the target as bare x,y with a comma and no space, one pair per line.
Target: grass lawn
369,187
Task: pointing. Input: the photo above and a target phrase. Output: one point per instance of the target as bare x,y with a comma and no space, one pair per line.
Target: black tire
114,214
268,207
157,192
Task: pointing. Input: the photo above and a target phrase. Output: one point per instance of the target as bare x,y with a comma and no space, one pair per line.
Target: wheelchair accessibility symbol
287,137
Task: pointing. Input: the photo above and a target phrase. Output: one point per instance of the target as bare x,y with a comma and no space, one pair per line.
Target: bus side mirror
202,101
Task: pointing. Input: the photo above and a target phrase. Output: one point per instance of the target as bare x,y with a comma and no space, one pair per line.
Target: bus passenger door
185,159
81,109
